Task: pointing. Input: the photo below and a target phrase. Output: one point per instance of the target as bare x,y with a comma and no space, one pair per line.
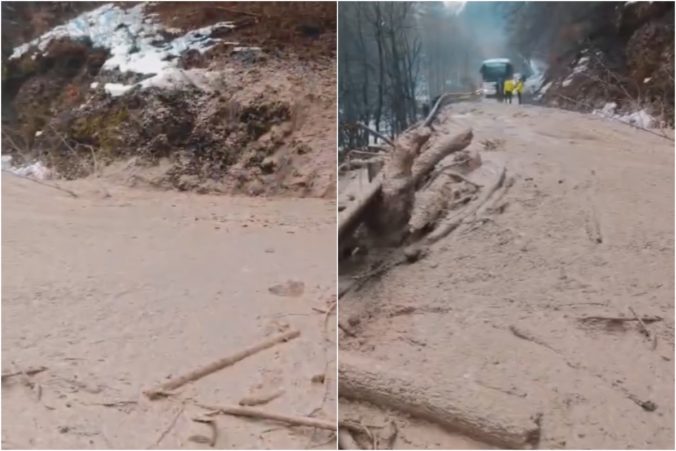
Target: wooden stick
219,364
39,182
375,133
452,223
26,372
645,319
256,413
260,399
435,110
641,324
346,441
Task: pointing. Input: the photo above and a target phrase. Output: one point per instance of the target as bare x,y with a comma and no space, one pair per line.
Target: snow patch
545,88
94,85
116,89
35,170
6,162
638,118
244,49
134,39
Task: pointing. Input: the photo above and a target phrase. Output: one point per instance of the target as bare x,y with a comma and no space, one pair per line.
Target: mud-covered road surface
587,229
118,289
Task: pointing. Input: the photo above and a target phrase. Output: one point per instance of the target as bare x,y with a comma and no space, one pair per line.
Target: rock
268,165
290,288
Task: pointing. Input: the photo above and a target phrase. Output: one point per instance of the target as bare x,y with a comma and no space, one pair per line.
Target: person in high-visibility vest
509,87
519,89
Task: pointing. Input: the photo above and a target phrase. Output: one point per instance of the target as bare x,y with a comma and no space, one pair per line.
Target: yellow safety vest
519,86
509,85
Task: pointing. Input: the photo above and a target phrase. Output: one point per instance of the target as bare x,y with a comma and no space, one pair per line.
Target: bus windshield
497,69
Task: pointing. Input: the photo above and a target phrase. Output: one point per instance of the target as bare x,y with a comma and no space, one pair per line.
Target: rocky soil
254,113
625,57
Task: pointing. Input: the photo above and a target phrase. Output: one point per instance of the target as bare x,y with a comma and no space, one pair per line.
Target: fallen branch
171,425
346,441
39,182
454,222
644,319
260,399
27,372
349,218
219,364
437,152
486,415
261,414
641,324
389,435
462,178
375,133
357,163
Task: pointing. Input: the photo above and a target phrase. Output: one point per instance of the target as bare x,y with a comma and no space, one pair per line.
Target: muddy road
117,290
508,306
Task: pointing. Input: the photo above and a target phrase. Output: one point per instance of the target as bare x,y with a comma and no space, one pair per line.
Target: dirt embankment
253,114
623,55
530,305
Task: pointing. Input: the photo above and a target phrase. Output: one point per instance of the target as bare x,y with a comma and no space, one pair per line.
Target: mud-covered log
459,404
350,218
394,187
397,191
440,149
431,202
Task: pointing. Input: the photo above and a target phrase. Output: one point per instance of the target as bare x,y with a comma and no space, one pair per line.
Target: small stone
353,321
268,165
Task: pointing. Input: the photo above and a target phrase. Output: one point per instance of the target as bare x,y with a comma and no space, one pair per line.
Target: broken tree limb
453,222
430,203
357,163
39,182
349,218
644,329
619,319
375,133
27,372
219,364
261,414
346,441
488,416
439,150
257,400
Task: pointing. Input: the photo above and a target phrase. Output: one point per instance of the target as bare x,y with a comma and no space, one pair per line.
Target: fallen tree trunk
397,190
438,151
430,203
489,416
350,218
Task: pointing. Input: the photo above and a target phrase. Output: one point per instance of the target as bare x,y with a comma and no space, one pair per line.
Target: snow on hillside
137,43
